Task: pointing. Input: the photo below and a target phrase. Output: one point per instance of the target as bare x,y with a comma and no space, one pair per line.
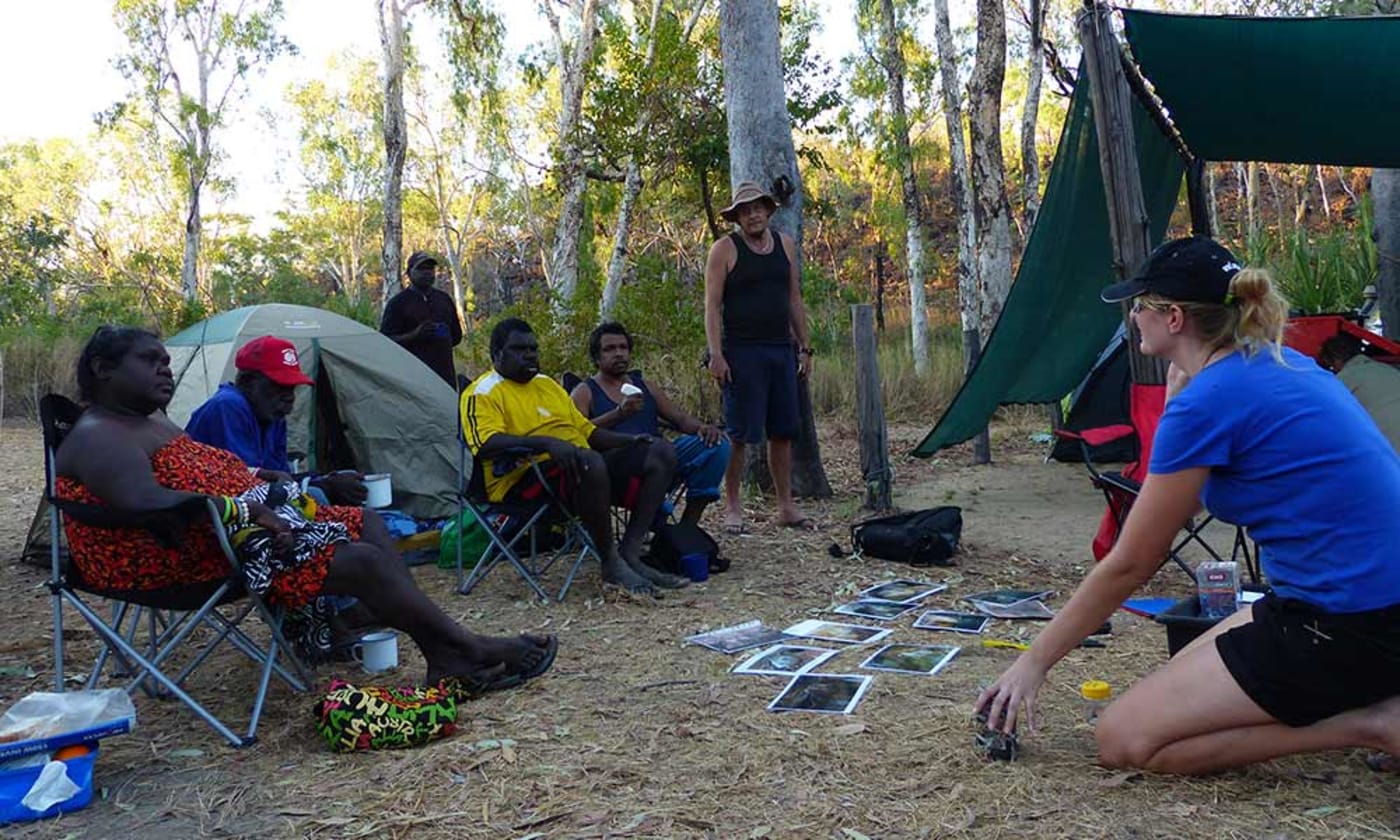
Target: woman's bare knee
1120,740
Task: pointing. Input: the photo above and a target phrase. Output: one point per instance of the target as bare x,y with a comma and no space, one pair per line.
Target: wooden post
870,411
1113,120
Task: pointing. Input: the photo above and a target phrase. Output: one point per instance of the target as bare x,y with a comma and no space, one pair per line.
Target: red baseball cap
273,357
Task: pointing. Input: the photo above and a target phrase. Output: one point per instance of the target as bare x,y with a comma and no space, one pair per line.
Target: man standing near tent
753,314
423,320
248,417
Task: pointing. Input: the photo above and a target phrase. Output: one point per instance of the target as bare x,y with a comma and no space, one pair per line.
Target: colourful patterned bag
354,718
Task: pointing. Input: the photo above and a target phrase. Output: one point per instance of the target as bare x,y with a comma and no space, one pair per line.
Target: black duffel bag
920,537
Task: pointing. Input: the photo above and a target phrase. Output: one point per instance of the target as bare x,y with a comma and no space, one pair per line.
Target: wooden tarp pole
1127,210
870,411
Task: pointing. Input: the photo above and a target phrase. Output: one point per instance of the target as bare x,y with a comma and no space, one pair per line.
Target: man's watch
806,351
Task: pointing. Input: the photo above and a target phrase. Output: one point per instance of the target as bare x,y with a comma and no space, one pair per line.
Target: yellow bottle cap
1095,690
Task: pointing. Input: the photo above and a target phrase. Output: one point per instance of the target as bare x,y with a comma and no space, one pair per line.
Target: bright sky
55,84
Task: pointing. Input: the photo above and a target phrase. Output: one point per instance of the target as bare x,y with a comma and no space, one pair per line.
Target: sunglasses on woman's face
1139,304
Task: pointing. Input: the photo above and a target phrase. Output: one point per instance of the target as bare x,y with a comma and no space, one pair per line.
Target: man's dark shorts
625,465
761,395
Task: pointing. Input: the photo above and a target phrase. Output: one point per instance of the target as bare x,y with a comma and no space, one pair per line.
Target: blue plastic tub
15,784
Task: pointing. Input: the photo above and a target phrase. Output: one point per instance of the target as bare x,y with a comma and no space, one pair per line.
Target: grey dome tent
375,407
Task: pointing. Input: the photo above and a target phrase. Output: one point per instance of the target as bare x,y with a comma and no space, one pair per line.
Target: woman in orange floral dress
125,454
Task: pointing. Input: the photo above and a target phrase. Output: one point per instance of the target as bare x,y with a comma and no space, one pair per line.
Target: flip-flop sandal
736,530
803,524
634,591
546,660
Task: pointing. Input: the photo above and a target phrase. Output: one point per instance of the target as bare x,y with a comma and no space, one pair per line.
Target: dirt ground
633,734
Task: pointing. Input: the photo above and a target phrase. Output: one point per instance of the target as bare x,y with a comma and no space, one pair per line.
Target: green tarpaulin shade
1284,90
1054,325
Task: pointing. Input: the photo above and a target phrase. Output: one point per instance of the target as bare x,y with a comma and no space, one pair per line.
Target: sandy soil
634,734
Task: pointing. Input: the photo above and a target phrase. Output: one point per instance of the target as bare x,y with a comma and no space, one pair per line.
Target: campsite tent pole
1127,212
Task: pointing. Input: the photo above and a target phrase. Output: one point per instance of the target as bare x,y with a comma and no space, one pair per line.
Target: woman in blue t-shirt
1268,440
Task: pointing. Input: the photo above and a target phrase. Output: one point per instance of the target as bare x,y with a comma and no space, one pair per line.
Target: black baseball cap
417,258
1194,269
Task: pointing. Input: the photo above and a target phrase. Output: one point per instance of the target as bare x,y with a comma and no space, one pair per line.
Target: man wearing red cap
248,416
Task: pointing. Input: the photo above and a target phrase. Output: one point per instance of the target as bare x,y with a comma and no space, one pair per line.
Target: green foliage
1320,271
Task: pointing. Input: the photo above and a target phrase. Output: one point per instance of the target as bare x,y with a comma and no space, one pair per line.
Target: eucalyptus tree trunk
913,206
1385,198
761,150
960,185
632,182
993,211
573,53
391,34
1030,161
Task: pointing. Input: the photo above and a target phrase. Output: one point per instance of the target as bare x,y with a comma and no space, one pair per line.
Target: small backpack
920,537
671,542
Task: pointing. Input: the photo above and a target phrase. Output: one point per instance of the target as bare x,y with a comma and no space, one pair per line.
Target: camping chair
1121,488
511,527
169,616
670,503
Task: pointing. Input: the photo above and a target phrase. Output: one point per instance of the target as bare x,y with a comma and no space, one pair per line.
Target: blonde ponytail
1263,313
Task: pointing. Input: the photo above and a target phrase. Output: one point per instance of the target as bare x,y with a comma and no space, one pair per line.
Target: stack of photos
1012,603
878,610
833,631
832,694
956,622
784,660
911,659
750,634
902,591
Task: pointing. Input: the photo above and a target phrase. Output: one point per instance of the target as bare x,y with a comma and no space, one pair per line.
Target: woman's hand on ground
1017,686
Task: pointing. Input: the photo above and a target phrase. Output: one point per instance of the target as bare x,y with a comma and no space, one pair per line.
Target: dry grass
635,735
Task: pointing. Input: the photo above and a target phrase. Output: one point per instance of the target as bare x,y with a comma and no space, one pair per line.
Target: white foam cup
377,651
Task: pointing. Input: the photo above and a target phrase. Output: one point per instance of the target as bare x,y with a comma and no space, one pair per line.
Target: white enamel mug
377,652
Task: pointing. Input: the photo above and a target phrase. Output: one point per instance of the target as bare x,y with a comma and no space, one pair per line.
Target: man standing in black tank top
756,332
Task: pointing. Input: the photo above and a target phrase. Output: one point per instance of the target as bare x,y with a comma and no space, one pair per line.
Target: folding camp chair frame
505,547
168,628
1120,492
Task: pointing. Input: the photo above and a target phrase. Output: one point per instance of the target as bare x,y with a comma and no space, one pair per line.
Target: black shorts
625,465
761,394
1303,665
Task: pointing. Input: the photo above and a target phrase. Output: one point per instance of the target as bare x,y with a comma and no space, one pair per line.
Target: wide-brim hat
746,193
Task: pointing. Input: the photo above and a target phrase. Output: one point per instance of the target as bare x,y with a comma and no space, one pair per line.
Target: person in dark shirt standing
423,319
756,333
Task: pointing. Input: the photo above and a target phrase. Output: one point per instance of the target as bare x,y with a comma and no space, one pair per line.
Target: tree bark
893,60
391,34
992,210
1127,209
960,186
1385,199
761,150
574,55
194,228
1030,161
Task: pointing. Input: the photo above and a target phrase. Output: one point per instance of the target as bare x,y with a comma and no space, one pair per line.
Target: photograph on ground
784,660
833,694
903,591
911,659
956,622
878,610
835,631
738,637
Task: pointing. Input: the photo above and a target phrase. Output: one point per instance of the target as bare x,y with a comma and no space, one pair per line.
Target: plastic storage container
1218,586
1095,695
15,785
